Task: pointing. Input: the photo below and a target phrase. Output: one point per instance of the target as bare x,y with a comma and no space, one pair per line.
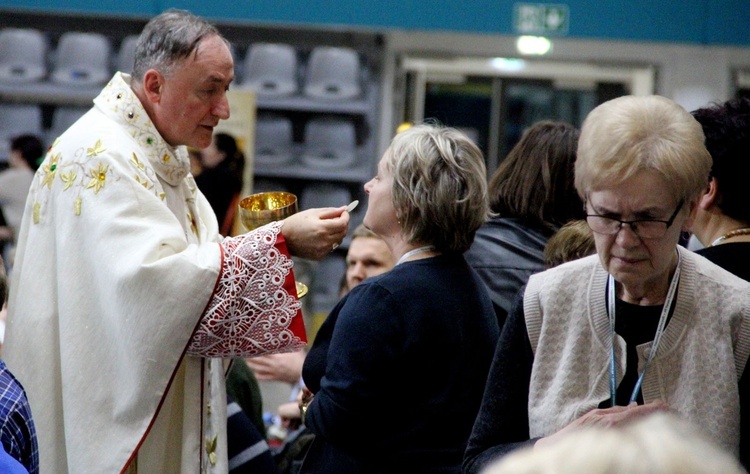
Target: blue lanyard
657,337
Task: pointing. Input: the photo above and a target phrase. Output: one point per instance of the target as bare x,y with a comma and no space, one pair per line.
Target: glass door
494,105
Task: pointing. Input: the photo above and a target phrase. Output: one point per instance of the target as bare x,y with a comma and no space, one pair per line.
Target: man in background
17,431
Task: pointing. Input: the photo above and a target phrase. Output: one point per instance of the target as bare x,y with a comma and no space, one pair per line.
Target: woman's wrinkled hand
607,417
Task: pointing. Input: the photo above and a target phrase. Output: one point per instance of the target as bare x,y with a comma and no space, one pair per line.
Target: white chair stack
273,140
82,59
330,142
270,69
333,73
18,119
126,54
62,118
23,55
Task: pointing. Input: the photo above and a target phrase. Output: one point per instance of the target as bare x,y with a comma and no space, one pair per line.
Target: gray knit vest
697,367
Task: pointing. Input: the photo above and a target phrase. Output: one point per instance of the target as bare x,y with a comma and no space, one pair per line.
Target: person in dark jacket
532,194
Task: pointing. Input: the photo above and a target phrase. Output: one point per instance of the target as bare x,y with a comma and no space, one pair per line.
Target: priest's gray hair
169,38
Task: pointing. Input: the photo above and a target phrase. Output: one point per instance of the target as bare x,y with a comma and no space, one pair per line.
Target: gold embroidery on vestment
211,449
98,177
96,149
68,178
50,170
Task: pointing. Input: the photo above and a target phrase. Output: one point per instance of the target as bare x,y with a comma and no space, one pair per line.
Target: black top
219,185
733,257
398,370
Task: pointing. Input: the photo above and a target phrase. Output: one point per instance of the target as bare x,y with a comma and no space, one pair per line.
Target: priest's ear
153,83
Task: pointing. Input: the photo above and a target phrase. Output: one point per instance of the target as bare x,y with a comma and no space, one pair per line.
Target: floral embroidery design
117,98
250,313
82,174
76,175
50,169
98,177
96,149
211,449
146,177
88,169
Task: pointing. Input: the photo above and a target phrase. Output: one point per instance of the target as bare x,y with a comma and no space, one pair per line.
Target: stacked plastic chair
270,69
62,118
82,59
126,54
330,142
274,140
23,55
333,73
18,119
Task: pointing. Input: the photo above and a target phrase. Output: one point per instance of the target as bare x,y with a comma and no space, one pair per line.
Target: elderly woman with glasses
645,325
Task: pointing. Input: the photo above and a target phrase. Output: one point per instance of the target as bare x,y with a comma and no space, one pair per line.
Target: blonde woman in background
398,367
657,444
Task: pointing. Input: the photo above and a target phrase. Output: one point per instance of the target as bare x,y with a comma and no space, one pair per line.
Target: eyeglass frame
633,224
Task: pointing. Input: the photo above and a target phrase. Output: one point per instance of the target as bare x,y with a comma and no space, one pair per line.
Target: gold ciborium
263,208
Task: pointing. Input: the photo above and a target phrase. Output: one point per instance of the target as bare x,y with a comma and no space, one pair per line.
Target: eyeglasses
643,228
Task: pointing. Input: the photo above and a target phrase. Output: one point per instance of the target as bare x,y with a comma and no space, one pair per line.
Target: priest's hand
314,233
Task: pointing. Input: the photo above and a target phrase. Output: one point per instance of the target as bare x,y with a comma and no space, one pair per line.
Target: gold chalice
263,208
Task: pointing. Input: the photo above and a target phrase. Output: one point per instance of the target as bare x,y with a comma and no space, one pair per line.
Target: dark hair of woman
535,181
234,158
31,149
729,151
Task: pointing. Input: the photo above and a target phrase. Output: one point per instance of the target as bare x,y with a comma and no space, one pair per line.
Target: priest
125,301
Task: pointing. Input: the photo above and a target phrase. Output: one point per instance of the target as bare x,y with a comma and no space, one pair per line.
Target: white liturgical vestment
125,300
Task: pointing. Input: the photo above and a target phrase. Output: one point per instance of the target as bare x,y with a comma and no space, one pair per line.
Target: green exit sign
541,18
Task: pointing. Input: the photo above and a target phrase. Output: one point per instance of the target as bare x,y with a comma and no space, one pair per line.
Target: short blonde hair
574,240
439,186
362,231
657,443
628,134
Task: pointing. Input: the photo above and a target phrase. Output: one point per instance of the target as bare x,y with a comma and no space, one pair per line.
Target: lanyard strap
426,248
657,337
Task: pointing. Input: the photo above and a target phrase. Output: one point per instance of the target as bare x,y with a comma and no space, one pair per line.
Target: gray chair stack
274,140
126,54
82,59
333,73
330,142
18,119
270,69
23,55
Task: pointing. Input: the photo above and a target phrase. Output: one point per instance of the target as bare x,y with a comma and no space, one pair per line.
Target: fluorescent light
533,45
508,64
